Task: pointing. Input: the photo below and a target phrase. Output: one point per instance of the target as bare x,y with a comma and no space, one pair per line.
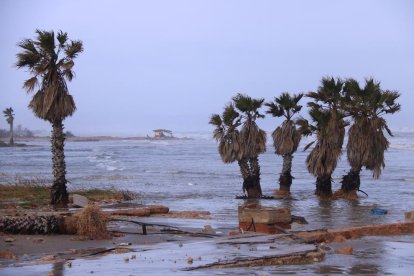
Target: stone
346,250
409,215
79,201
9,239
266,215
208,230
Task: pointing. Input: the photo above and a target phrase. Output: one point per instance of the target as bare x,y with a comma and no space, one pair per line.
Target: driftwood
302,254
341,234
168,229
139,211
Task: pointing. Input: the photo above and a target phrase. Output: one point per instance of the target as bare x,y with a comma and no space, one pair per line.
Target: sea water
189,175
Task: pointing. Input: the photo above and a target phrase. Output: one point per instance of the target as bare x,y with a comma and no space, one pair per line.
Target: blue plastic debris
377,211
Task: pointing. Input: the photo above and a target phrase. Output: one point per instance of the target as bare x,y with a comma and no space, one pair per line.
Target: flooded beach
189,175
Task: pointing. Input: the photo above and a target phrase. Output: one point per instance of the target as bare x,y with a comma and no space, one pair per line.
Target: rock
208,230
9,239
266,215
7,255
346,250
79,201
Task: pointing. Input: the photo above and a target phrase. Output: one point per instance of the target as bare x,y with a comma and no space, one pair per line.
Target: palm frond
62,38
286,138
215,120
74,48
308,145
230,115
274,109
46,42
30,84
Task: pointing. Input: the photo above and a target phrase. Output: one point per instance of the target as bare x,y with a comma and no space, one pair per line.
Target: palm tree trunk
324,186
253,188
32,225
59,195
11,134
285,179
244,168
351,182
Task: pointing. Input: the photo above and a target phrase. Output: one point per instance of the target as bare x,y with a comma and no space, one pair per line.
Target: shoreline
99,138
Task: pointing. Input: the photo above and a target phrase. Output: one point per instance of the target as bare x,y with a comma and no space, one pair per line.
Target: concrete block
263,227
266,215
79,201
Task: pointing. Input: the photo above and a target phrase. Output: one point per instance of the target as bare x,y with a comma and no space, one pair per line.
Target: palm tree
366,140
9,115
50,65
286,138
252,141
227,135
329,127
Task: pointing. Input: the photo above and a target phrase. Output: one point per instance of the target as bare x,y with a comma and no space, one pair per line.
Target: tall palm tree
9,115
227,135
329,127
50,64
366,140
252,141
286,138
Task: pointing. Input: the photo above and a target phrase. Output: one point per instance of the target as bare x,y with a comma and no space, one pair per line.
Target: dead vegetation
91,223
35,193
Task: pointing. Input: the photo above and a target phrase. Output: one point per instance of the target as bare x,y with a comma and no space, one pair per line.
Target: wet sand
168,253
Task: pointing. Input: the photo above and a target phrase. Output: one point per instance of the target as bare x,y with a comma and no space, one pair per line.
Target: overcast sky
170,64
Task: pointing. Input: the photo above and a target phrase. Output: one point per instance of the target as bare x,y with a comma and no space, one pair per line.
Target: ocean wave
164,172
402,146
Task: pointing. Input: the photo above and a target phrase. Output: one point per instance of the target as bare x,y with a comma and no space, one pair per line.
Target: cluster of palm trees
50,62
336,104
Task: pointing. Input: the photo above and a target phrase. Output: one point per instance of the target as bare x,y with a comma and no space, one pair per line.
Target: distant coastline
102,138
